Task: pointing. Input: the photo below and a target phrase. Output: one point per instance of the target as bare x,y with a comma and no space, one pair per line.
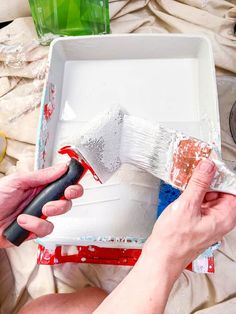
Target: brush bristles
147,145
114,138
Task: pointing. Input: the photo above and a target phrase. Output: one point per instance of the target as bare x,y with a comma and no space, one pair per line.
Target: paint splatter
187,156
48,110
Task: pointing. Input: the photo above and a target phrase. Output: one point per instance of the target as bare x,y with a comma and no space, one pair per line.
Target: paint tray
167,78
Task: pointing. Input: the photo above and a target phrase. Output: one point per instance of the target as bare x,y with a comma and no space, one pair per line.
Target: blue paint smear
167,195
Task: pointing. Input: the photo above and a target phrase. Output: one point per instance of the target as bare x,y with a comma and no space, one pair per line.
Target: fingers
62,206
56,208
38,226
200,182
223,212
42,177
211,196
73,191
42,227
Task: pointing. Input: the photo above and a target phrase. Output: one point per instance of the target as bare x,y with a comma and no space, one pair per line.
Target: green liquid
70,17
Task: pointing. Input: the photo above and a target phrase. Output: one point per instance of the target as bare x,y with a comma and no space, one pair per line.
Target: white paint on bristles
116,137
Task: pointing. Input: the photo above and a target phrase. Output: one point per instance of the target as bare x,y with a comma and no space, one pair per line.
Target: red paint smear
48,111
98,255
211,264
73,154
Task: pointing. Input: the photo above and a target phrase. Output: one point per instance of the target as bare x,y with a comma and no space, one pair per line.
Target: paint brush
170,155
115,137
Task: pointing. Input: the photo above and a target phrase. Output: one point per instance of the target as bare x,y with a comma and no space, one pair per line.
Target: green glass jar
55,18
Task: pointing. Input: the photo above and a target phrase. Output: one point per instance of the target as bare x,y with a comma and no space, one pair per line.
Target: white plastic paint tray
167,78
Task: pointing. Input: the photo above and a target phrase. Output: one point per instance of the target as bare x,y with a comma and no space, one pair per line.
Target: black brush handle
54,191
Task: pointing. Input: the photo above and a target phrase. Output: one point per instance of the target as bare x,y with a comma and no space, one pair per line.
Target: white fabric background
20,279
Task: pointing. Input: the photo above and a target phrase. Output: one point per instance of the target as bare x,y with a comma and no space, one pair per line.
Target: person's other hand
192,223
16,192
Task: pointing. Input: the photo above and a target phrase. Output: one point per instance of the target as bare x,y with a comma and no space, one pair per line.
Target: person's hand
186,228
16,192
192,223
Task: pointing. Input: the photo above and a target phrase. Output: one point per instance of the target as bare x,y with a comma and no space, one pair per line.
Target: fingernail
22,220
59,166
207,166
73,193
50,228
49,210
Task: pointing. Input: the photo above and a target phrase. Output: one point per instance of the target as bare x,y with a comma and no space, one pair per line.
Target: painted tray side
88,74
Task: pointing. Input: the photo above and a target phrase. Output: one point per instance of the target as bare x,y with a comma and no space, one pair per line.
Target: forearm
145,290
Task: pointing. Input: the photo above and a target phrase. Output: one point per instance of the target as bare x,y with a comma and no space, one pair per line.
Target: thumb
200,181
44,176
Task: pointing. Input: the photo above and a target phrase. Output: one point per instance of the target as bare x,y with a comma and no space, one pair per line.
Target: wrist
157,282
160,258
145,289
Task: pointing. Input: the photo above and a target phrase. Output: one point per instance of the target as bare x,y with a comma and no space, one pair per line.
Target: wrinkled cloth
213,18
20,279
22,72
